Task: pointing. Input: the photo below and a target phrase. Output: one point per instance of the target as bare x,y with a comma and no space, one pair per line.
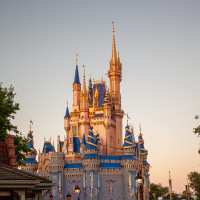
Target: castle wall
105,191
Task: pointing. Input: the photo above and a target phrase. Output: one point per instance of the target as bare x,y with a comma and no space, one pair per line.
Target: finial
76,58
113,27
90,76
39,150
140,128
67,103
30,124
93,79
102,78
127,118
44,139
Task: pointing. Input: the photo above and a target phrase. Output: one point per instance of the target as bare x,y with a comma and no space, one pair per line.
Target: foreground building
94,154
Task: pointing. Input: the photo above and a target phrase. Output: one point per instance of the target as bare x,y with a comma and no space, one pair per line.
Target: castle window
111,141
118,141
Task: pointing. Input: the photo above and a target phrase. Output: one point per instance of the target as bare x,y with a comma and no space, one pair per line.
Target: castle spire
114,54
76,77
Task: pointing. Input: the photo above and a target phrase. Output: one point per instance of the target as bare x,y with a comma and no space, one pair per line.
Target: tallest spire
114,54
76,77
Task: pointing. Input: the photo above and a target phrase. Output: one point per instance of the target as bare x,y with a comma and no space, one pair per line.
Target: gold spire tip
76,58
67,103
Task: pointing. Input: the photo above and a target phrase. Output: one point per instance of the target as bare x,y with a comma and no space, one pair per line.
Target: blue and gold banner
130,184
60,184
98,184
92,184
84,183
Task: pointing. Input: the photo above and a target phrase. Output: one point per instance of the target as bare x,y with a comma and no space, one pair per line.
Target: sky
159,47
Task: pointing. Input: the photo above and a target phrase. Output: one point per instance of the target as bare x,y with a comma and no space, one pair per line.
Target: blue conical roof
30,143
67,113
76,77
106,99
48,147
143,150
128,140
98,140
91,143
83,140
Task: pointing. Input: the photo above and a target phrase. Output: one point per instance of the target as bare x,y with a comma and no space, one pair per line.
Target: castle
94,154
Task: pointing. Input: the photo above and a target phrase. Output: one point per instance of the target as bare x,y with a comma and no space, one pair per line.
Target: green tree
157,190
8,110
194,178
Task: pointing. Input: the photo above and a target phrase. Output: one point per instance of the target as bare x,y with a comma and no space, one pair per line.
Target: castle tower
76,91
31,164
84,121
91,163
143,166
115,76
67,124
129,163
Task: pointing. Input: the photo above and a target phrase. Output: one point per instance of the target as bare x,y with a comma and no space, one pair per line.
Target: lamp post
51,196
68,196
139,181
78,191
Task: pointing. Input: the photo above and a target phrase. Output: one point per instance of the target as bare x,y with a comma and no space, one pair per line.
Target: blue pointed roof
48,147
67,113
83,140
91,143
128,140
98,139
30,143
106,99
76,77
143,150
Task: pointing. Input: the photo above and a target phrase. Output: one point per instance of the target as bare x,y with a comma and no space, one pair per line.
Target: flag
128,116
31,121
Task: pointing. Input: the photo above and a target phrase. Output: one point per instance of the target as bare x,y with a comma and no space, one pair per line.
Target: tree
194,178
157,190
8,110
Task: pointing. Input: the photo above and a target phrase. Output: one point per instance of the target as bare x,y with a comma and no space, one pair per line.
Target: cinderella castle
94,156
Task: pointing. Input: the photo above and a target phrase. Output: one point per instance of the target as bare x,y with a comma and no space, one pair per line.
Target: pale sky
159,49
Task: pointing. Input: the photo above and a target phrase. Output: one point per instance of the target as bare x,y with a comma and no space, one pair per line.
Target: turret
84,110
31,164
67,119
91,163
114,74
129,163
143,165
76,90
